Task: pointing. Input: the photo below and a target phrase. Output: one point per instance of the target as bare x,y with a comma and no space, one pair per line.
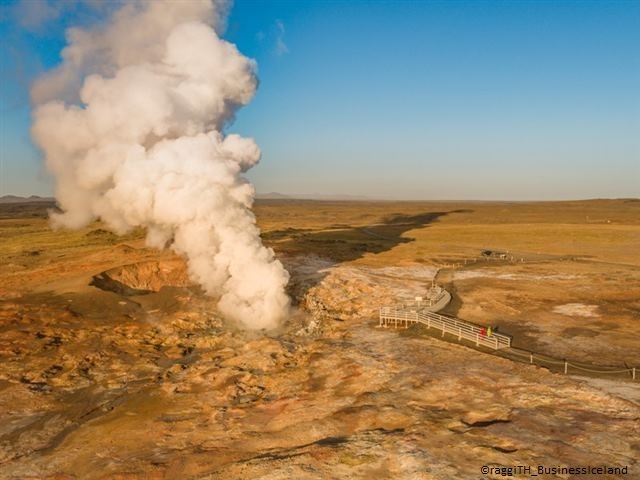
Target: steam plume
131,127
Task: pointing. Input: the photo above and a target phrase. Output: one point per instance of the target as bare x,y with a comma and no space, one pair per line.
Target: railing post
565,366
496,339
531,357
477,339
459,333
633,374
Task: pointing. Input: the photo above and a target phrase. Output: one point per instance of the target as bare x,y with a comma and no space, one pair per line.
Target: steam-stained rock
178,392
143,277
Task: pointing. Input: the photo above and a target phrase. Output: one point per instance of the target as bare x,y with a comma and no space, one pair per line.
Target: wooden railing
402,316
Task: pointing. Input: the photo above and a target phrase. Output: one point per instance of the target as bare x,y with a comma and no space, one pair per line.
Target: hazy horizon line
366,198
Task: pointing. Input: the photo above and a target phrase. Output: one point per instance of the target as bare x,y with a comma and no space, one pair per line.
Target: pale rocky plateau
113,365
128,372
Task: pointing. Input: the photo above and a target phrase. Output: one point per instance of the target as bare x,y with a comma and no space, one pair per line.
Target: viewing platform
404,315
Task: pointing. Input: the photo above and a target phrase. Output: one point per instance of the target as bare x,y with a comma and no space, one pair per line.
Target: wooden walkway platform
402,316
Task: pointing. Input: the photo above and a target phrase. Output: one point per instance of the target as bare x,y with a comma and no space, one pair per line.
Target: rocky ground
104,384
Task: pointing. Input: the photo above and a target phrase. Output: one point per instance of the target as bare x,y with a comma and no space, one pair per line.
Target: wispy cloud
280,46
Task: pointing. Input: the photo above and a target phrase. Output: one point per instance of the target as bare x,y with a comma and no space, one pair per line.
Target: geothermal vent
142,278
132,125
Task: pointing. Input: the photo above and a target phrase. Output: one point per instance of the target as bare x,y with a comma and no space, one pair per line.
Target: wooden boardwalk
403,316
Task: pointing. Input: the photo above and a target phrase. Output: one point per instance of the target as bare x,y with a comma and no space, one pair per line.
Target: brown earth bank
114,366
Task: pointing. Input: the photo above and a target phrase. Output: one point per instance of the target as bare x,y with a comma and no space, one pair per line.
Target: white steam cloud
130,125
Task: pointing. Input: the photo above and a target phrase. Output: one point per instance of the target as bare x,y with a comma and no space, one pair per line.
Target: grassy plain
434,232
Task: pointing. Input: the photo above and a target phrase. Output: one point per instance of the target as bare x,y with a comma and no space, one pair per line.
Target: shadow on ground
341,243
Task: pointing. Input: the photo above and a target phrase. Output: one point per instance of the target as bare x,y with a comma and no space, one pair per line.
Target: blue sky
411,100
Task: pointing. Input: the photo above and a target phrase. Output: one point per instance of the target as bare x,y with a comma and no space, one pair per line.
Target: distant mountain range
310,196
272,196
259,196
275,196
17,199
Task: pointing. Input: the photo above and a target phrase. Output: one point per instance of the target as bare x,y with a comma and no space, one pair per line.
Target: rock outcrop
99,385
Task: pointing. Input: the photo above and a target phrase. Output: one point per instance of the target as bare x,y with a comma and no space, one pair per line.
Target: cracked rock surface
99,384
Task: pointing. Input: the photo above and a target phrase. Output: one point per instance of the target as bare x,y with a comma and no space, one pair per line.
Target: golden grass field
605,230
